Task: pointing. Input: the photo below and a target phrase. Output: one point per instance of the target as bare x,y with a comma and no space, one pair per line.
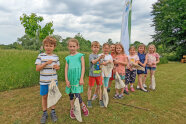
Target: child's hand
154,63
102,56
143,65
56,67
81,82
116,62
49,62
68,83
105,63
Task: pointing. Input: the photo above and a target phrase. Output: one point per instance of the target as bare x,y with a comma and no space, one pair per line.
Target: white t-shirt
47,73
107,57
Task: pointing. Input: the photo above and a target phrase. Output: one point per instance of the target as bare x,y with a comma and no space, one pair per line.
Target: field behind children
167,103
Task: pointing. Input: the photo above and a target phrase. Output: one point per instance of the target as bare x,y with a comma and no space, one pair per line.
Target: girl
74,73
142,74
105,61
152,60
120,61
112,48
131,71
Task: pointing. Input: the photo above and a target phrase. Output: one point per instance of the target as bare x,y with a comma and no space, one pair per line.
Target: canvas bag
77,110
107,69
53,94
138,67
118,82
105,97
153,85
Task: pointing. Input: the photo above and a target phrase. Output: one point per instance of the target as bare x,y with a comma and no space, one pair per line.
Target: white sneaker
144,85
94,97
137,87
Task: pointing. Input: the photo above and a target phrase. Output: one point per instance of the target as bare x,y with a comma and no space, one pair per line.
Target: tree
170,26
34,30
110,41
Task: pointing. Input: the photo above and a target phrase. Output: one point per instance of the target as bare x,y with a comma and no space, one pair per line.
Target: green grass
17,68
167,103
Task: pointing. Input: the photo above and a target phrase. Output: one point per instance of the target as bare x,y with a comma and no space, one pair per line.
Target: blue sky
94,19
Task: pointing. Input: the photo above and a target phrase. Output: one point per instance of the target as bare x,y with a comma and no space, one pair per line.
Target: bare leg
89,92
44,102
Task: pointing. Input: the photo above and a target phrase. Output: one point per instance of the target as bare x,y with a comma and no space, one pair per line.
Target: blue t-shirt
142,57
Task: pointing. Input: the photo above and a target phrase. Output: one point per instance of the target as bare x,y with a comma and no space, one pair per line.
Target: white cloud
95,20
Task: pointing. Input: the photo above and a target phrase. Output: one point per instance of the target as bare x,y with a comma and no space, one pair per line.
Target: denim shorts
142,72
151,68
44,89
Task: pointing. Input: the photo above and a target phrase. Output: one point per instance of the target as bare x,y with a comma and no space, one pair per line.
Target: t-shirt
105,59
120,68
151,58
132,59
47,73
94,68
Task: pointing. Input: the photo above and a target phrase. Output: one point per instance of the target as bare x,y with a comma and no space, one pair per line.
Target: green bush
163,60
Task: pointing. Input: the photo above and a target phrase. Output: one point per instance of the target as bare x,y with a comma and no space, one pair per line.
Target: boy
47,63
95,73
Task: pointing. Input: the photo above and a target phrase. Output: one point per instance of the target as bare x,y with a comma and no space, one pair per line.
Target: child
131,71
152,60
120,62
74,74
112,47
95,73
105,61
47,63
142,74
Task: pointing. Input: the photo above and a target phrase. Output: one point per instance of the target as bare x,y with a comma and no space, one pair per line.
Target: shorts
93,79
106,80
151,68
44,89
142,72
121,76
112,77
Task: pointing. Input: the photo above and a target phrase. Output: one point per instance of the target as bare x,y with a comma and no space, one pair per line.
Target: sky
94,19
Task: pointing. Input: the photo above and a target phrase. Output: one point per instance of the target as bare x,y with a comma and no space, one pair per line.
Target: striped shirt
47,73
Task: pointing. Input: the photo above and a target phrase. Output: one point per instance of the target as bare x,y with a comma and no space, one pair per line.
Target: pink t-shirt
152,58
120,68
132,59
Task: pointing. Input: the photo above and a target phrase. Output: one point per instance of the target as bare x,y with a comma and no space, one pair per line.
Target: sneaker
108,90
144,90
120,96
145,86
85,110
44,118
101,103
126,91
132,89
53,116
116,96
94,97
72,114
138,88
89,104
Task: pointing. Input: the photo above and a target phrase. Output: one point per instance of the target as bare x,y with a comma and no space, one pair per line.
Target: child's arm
40,67
81,82
66,75
98,59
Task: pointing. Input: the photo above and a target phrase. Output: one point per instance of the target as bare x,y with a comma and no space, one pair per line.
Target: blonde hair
50,40
142,45
106,44
152,45
95,43
73,40
118,44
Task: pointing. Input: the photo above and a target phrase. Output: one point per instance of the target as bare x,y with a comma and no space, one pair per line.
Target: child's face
118,49
132,51
95,49
112,47
106,49
49,48
141,49
72,46
151,49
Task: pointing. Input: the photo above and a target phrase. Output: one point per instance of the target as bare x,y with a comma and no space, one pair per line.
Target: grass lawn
167,103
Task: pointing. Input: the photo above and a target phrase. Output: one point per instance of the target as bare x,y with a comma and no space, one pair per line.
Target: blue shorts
121,76
142,72
151,68
106,80
44,89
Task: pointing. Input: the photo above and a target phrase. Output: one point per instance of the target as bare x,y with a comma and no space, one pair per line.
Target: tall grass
17,68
